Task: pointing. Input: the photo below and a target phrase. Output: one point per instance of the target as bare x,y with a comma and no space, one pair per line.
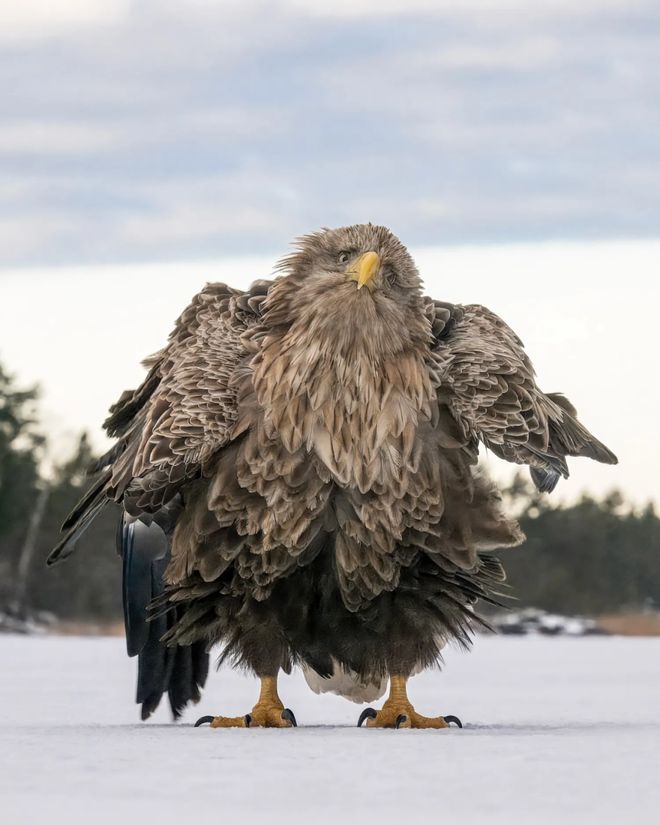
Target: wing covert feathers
487,381
181,414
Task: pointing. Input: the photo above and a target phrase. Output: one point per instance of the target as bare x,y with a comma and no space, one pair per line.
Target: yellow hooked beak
364,269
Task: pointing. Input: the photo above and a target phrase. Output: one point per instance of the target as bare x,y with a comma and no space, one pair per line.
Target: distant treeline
588,558
88,585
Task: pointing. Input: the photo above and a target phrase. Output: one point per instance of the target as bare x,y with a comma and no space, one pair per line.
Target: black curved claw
287,716
248,720
400,719
203,720
367,713
454,719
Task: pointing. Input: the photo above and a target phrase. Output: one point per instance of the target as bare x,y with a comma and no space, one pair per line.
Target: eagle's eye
343,257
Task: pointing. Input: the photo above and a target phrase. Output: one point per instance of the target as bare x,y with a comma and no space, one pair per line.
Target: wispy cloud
59,139
44,19
544,9
160,130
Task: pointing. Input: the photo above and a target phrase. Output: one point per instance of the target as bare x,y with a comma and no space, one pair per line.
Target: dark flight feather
180,672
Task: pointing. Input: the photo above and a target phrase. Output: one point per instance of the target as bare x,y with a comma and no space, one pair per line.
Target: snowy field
557,730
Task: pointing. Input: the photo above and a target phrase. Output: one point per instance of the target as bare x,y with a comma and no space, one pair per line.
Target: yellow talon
269,712
398,712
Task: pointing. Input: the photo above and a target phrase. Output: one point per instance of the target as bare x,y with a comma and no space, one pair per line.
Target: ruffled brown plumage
314,444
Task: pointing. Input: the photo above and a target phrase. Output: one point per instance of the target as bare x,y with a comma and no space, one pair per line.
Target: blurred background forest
591,557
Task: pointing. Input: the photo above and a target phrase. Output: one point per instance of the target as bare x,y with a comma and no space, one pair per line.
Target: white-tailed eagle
298,475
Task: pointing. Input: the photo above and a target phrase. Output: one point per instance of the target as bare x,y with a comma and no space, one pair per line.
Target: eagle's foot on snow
269,712
402,716
398,712
261,716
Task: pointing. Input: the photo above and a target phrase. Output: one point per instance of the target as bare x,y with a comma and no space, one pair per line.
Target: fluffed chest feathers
359,417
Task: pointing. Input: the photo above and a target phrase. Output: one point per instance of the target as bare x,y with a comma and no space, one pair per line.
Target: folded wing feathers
488,382
182,412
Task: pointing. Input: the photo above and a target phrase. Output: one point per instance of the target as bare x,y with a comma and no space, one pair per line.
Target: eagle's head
352,287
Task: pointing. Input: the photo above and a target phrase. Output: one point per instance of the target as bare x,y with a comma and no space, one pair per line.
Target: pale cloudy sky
147,146
160,129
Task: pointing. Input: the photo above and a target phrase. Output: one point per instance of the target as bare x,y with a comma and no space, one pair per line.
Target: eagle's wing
181,414
487,381
166,430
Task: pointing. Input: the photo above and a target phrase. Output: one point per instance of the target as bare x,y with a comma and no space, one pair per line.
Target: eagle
299,482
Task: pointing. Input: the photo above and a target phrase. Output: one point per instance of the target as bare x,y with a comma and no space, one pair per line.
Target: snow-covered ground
557,730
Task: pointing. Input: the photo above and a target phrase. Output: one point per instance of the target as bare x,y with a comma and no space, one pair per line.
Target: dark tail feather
178,671
155,662
189,673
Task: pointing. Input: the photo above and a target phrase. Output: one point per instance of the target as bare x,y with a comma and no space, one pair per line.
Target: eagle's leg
398,712
269,712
